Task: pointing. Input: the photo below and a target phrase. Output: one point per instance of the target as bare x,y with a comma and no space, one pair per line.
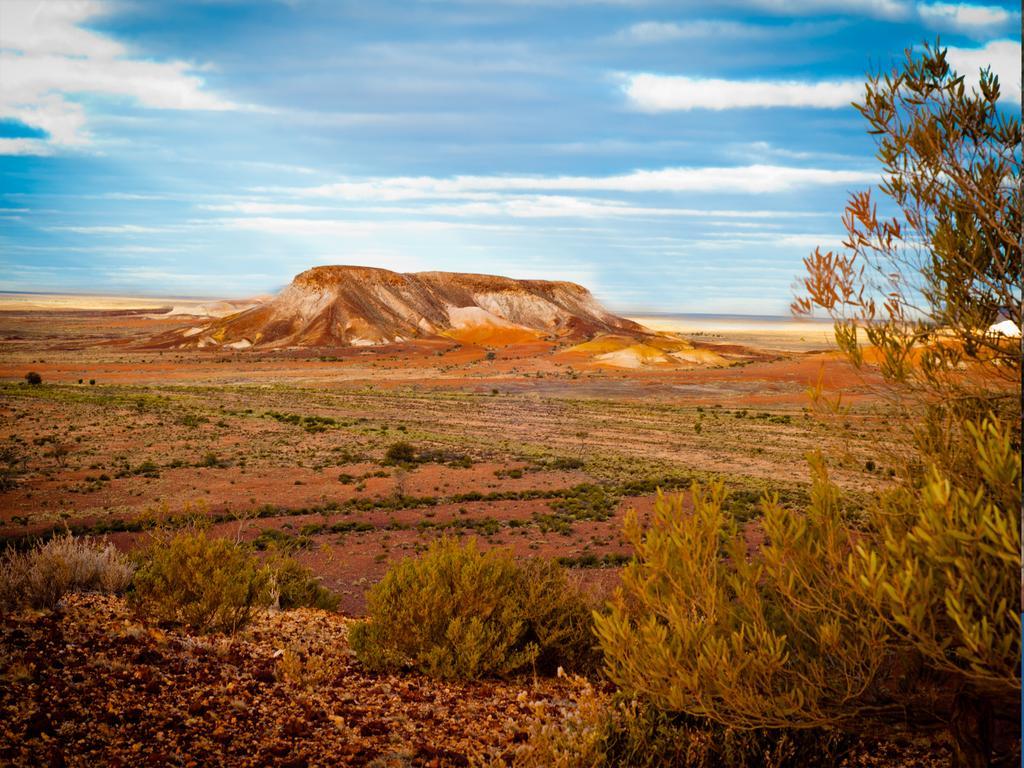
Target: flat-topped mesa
356,306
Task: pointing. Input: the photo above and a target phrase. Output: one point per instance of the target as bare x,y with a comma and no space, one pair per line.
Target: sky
671,156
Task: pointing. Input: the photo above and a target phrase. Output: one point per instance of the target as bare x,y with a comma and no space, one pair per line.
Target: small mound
634,356
603,344
620,351
699,357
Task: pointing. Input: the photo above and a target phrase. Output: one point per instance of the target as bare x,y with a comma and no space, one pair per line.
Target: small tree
931,290
903,614
927,288
33,379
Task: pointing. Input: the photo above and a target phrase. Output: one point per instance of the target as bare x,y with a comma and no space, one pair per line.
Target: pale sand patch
764,333
162,306
20,302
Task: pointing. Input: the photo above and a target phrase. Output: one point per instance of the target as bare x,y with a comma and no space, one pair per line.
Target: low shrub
400,453
41,576
295,586
457,612
201,583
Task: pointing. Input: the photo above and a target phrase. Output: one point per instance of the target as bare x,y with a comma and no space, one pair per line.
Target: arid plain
529,444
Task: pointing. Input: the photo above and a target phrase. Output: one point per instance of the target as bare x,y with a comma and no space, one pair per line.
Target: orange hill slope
357,306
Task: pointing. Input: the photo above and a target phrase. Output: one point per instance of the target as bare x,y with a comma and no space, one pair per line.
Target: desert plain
527,445
349,459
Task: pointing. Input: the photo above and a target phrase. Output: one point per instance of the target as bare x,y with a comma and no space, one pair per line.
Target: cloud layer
664,93
47,58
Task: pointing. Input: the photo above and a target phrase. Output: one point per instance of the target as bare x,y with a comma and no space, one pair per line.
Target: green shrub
296,587
585,502
41,576
907,609
33,378
201,583
457,612
567,463
400,453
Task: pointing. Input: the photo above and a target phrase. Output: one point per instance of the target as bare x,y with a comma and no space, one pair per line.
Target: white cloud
47,56
345,227
118,229
752,179
25,147
654,32
52,28
892,10
251,207
649,32
1004,56
567,206
961,17
663,93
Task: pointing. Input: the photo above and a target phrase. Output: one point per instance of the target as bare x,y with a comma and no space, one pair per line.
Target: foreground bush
457,612
41,576
201,583
601,731
906,618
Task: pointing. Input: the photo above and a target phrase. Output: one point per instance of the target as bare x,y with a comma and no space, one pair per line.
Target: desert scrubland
348,460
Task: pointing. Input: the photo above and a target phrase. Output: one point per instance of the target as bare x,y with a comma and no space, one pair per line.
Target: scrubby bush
41,576
33,378
400,453
295,586
457,612
201,583
833,623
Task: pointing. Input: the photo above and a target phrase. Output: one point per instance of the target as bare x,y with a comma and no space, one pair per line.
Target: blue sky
676,156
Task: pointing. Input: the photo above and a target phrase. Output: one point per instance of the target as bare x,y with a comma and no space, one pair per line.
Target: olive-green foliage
202,583
924,288
457,612
705,630
400,453
42,575
939,562
297,587
943,566
828,625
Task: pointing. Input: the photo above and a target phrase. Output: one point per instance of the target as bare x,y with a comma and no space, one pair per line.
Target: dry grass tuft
41,576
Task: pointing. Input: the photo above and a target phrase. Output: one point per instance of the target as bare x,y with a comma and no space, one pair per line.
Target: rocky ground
98,687
95,686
